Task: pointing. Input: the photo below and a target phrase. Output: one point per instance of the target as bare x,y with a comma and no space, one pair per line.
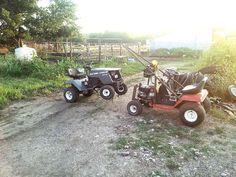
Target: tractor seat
181,77
195,88
144,88
75,74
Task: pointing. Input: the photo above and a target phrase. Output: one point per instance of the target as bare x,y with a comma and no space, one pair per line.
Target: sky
154,16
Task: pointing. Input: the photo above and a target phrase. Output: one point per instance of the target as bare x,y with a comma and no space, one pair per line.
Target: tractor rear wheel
192,114
207,104
232,92
122,89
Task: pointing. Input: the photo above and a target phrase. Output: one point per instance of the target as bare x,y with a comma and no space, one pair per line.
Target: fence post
138,48
64,49
111,50
57,47
87,50
99,52
70,50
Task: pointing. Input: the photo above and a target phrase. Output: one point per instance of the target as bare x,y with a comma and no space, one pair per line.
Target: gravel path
48,137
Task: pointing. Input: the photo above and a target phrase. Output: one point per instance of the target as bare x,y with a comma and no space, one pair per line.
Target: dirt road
48,137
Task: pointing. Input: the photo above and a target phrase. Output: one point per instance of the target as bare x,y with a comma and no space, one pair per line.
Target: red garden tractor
172,90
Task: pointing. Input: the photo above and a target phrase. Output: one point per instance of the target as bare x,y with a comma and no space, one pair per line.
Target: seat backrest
195,88
72,72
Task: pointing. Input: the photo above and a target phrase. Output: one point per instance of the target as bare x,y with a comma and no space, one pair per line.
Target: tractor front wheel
134,108
107,92
192,114
71,95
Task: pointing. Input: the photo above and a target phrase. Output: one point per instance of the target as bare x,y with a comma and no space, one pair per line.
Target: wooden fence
91,51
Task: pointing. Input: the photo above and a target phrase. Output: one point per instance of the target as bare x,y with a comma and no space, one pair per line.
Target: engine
146,92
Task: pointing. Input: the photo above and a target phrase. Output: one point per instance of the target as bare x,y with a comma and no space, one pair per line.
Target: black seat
75,74
195,88
144,88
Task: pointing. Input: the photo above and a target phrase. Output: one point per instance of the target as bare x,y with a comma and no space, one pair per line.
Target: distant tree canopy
53,22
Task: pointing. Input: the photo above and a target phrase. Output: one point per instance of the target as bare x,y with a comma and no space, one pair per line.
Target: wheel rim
133,108
121,88
106,92
233,91
190,115
68,95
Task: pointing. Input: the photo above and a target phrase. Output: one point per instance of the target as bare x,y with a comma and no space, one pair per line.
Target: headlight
116,76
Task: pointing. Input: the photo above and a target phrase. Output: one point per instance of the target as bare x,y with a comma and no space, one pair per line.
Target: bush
36,68
222,53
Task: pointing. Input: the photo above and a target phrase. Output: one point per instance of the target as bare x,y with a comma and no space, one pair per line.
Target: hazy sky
154,16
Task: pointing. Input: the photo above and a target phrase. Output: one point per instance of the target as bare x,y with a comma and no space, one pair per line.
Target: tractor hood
105,69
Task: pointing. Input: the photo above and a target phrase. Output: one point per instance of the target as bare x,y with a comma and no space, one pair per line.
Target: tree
56,21
13,15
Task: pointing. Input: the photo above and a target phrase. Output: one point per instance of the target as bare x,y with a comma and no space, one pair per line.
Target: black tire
88,93
232,92
192,114
207,104
121,90
71,95
107,92
134,108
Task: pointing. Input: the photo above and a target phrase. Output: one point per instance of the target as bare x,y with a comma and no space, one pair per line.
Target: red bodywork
199,97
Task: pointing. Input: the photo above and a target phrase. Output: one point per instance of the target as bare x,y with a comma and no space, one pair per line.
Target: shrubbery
176,53
36,68
223,54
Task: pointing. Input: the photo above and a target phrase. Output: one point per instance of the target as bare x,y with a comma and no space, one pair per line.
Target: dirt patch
94,137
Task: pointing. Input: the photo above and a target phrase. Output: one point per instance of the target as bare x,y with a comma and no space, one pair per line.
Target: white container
25,53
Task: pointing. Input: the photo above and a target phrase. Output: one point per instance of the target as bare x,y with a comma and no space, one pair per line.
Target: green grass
20,88
20,80
176,144
157,140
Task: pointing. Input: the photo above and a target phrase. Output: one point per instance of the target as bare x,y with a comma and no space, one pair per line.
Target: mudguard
77,84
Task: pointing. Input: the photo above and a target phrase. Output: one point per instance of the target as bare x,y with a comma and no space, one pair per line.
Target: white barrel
25,53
